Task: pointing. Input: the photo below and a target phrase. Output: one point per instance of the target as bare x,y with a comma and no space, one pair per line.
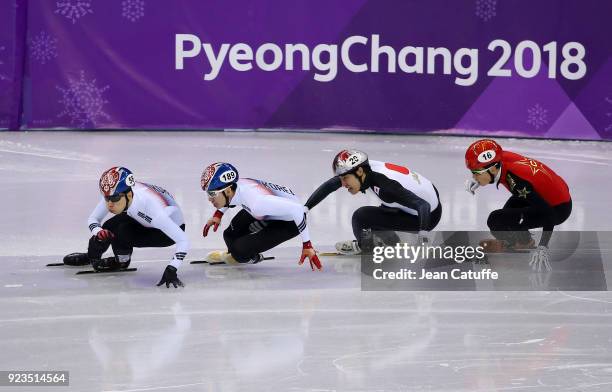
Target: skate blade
105,272
334,254
508,251
221,262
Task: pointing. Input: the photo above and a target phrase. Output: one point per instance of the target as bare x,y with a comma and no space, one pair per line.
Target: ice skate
113,263
223,257
76,259
220,257
348,248
494,245
528,245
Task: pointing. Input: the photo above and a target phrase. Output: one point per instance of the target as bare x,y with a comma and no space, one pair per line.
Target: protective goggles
480,171
113,198
212,194
484,169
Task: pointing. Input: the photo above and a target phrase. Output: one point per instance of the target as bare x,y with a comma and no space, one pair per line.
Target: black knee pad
96,248
123,232
227,234
358,218
494,221
123,241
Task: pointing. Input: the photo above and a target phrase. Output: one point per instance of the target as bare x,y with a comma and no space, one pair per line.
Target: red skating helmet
347,161
483,154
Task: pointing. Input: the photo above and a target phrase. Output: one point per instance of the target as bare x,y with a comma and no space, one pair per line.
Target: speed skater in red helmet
540,197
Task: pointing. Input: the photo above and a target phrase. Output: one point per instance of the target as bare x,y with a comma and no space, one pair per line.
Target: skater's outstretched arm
329,186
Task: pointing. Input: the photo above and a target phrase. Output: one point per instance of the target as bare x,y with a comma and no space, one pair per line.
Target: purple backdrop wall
540,69
12,29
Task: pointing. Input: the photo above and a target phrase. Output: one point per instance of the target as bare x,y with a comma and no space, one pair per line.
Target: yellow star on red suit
523,192
535,166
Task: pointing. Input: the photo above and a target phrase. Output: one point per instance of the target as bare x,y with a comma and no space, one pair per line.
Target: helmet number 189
228,176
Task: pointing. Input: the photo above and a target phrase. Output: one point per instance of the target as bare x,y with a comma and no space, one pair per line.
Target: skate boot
494,245
109,264
224,257
76,259
524,242
220,257
255,259
349,248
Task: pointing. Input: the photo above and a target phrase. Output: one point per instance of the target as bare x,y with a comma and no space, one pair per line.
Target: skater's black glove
169,276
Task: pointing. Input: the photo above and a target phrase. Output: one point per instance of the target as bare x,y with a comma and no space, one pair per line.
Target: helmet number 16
486,156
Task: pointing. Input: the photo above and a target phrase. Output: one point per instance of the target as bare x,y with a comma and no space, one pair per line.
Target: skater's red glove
104,235
308,251
214,222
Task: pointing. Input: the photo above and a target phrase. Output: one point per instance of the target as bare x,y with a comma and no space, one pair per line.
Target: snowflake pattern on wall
486,9
74,9
609,114
132,9
537,116
43,47
2,50
83,102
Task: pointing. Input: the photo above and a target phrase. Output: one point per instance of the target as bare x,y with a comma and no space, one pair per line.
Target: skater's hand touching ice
308,251
169,277
540,259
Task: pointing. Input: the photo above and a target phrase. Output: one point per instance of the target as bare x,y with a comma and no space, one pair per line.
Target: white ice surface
276,326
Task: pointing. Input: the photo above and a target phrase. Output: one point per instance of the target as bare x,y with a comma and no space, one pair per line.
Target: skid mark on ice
541,156
531,341
156,388
584,387
578,366
26,149
57,318
564,153
42,155
585,298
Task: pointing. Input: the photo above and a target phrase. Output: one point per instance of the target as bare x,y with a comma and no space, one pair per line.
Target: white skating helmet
348,161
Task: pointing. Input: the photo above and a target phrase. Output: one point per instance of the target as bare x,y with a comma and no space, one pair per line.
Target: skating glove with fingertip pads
170,277
540,259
